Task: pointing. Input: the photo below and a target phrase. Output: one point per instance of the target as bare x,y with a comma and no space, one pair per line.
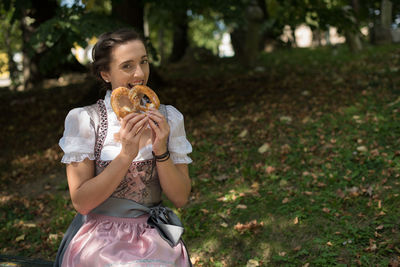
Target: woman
116,186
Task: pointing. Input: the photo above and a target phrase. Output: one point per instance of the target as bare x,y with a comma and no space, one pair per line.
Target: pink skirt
113,241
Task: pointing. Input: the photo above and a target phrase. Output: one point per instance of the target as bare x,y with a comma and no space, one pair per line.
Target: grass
323,193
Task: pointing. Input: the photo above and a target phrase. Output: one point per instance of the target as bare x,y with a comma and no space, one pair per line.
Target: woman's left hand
160,131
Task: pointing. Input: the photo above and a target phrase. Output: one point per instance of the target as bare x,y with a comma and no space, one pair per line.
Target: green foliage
58,35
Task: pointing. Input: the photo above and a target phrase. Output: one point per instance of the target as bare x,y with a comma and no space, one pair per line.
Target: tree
383,23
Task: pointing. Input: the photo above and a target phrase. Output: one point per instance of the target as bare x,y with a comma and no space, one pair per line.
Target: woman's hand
160,131
132,128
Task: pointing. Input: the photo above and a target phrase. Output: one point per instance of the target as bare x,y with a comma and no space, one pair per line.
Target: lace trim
180,158
76,157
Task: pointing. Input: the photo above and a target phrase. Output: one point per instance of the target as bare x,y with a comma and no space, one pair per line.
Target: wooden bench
17,261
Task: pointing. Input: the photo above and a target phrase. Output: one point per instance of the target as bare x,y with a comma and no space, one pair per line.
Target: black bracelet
161,158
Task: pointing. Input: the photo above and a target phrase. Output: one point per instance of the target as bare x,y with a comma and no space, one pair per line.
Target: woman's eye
127,67
145,61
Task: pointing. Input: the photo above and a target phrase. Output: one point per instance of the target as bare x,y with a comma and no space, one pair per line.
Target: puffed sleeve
79,137
178,146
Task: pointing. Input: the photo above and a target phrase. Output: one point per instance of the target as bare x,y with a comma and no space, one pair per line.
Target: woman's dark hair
101,53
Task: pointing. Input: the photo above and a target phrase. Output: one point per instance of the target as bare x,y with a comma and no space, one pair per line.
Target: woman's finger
139,126
154,127
129,117
132,121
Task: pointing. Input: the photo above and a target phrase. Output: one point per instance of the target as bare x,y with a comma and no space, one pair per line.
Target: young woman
116,186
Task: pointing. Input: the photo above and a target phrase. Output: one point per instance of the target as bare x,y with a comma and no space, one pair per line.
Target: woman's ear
105,76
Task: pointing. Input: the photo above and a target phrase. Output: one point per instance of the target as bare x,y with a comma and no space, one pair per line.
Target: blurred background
35,33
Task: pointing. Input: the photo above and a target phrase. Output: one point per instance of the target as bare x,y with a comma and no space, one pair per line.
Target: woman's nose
139,73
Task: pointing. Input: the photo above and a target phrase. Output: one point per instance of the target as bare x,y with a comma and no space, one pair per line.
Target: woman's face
129,65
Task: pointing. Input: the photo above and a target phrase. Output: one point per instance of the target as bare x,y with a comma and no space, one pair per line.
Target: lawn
296,163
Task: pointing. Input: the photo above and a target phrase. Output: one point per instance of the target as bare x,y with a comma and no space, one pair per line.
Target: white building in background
225,49
304,36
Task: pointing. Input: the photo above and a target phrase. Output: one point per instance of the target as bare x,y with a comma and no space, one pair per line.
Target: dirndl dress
130,228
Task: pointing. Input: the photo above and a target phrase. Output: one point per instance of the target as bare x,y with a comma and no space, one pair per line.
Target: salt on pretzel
125,101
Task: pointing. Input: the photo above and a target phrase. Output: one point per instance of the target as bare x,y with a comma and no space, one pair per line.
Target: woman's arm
88,191
175,181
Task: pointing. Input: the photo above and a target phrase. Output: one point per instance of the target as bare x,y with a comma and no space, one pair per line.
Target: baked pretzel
125,101
136,96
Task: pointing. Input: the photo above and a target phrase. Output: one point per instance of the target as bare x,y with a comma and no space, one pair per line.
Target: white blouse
78,140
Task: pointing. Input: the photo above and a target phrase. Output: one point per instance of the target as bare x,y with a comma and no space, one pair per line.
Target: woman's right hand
132,128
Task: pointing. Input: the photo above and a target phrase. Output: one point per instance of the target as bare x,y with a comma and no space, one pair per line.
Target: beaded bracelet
163,157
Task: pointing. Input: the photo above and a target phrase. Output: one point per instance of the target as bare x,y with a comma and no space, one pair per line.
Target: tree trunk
180,36
246,41
130,12
352,35
382,28
39,12
353,41
29,70
238,35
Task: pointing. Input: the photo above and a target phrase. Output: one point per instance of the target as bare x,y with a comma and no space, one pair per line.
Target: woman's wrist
125,157
161,157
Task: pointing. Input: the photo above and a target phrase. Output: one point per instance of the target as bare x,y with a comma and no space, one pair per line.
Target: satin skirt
112,241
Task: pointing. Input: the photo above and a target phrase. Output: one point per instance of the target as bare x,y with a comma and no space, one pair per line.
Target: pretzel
138,92
125,101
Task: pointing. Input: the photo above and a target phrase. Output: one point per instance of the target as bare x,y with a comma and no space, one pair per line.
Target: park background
292,108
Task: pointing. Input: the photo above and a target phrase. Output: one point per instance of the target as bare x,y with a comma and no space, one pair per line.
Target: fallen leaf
252,263
326,210
204,211
249,226
222,177
269,169
362,149
296,220
286,119
241,206
285,200
297,248
264,148
329,243
380,227
20,238
243,133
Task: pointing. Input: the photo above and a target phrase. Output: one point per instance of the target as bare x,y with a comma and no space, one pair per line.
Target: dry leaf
326,210
297,248
221,177
250,226
252,263
264,148
270,169
285,200
20,238
296,220
241,206
243,133
362,149
204,211
224,224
